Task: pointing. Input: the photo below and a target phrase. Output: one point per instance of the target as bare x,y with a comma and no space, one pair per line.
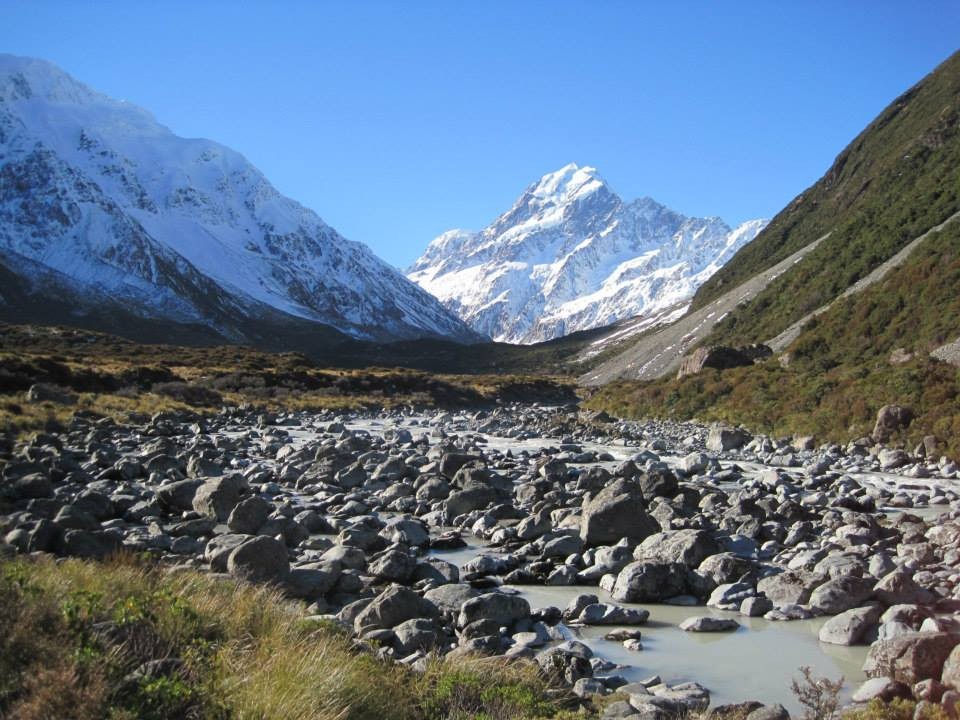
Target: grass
839,372
895,180
122,379
72,635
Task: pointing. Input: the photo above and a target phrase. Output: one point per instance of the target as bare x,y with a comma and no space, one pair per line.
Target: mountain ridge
571,255
184,229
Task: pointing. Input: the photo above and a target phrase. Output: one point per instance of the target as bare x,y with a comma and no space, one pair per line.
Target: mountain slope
863,316
871,349
572,255
895,181
97,192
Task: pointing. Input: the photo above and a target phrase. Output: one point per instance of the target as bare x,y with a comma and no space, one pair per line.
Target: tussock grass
72,632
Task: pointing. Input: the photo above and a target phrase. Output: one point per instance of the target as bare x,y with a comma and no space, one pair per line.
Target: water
757,662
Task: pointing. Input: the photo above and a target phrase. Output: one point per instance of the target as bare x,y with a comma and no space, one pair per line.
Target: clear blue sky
398,120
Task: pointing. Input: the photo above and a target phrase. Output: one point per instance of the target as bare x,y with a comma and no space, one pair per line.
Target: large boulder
890,420
450,463
951,669
690,547
260,559
450,598
721,357
911,658
498,607
848,628
722,438
644,581
249,515
473,498
708,623
393,606
217,497
840,594
791,587
177,496
899,588
616,512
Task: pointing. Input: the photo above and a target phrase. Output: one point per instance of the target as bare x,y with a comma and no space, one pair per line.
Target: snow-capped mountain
571,255
99,198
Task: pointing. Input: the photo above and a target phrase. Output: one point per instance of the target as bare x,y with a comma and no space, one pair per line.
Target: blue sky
396,121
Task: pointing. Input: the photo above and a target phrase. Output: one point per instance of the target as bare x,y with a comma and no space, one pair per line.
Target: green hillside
897,179
840,370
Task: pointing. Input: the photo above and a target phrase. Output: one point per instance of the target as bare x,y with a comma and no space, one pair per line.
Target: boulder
249,515
644,581
721,357
33,486
689,547
722,438
608,614
394,565
840,594
616,512
393,606
499,607
791,587
881,688
890,420
911,658
899,588
217,497
177,496
707,623
848,628
951,670
415,634
450,598
260,559
474,498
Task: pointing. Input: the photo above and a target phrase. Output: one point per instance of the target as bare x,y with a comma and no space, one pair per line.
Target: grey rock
707,623
260,559
249,515
499,607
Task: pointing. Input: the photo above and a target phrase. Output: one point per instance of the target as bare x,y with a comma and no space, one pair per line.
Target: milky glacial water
757,662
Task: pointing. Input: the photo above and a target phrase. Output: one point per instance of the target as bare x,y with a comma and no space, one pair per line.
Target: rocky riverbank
350,513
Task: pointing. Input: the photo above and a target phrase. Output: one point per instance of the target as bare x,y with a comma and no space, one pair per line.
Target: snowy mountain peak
571,255
24,78
98,192
566,184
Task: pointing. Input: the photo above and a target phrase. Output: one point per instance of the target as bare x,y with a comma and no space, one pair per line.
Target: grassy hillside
839,372
897,179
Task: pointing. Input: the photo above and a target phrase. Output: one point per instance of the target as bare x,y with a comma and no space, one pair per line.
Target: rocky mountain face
101,203
572,255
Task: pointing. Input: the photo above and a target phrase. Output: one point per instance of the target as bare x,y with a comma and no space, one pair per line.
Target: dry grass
247,652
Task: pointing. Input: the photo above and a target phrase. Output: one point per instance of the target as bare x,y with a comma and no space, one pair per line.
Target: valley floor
275,564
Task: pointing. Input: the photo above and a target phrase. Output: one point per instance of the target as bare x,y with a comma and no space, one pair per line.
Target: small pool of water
757,662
